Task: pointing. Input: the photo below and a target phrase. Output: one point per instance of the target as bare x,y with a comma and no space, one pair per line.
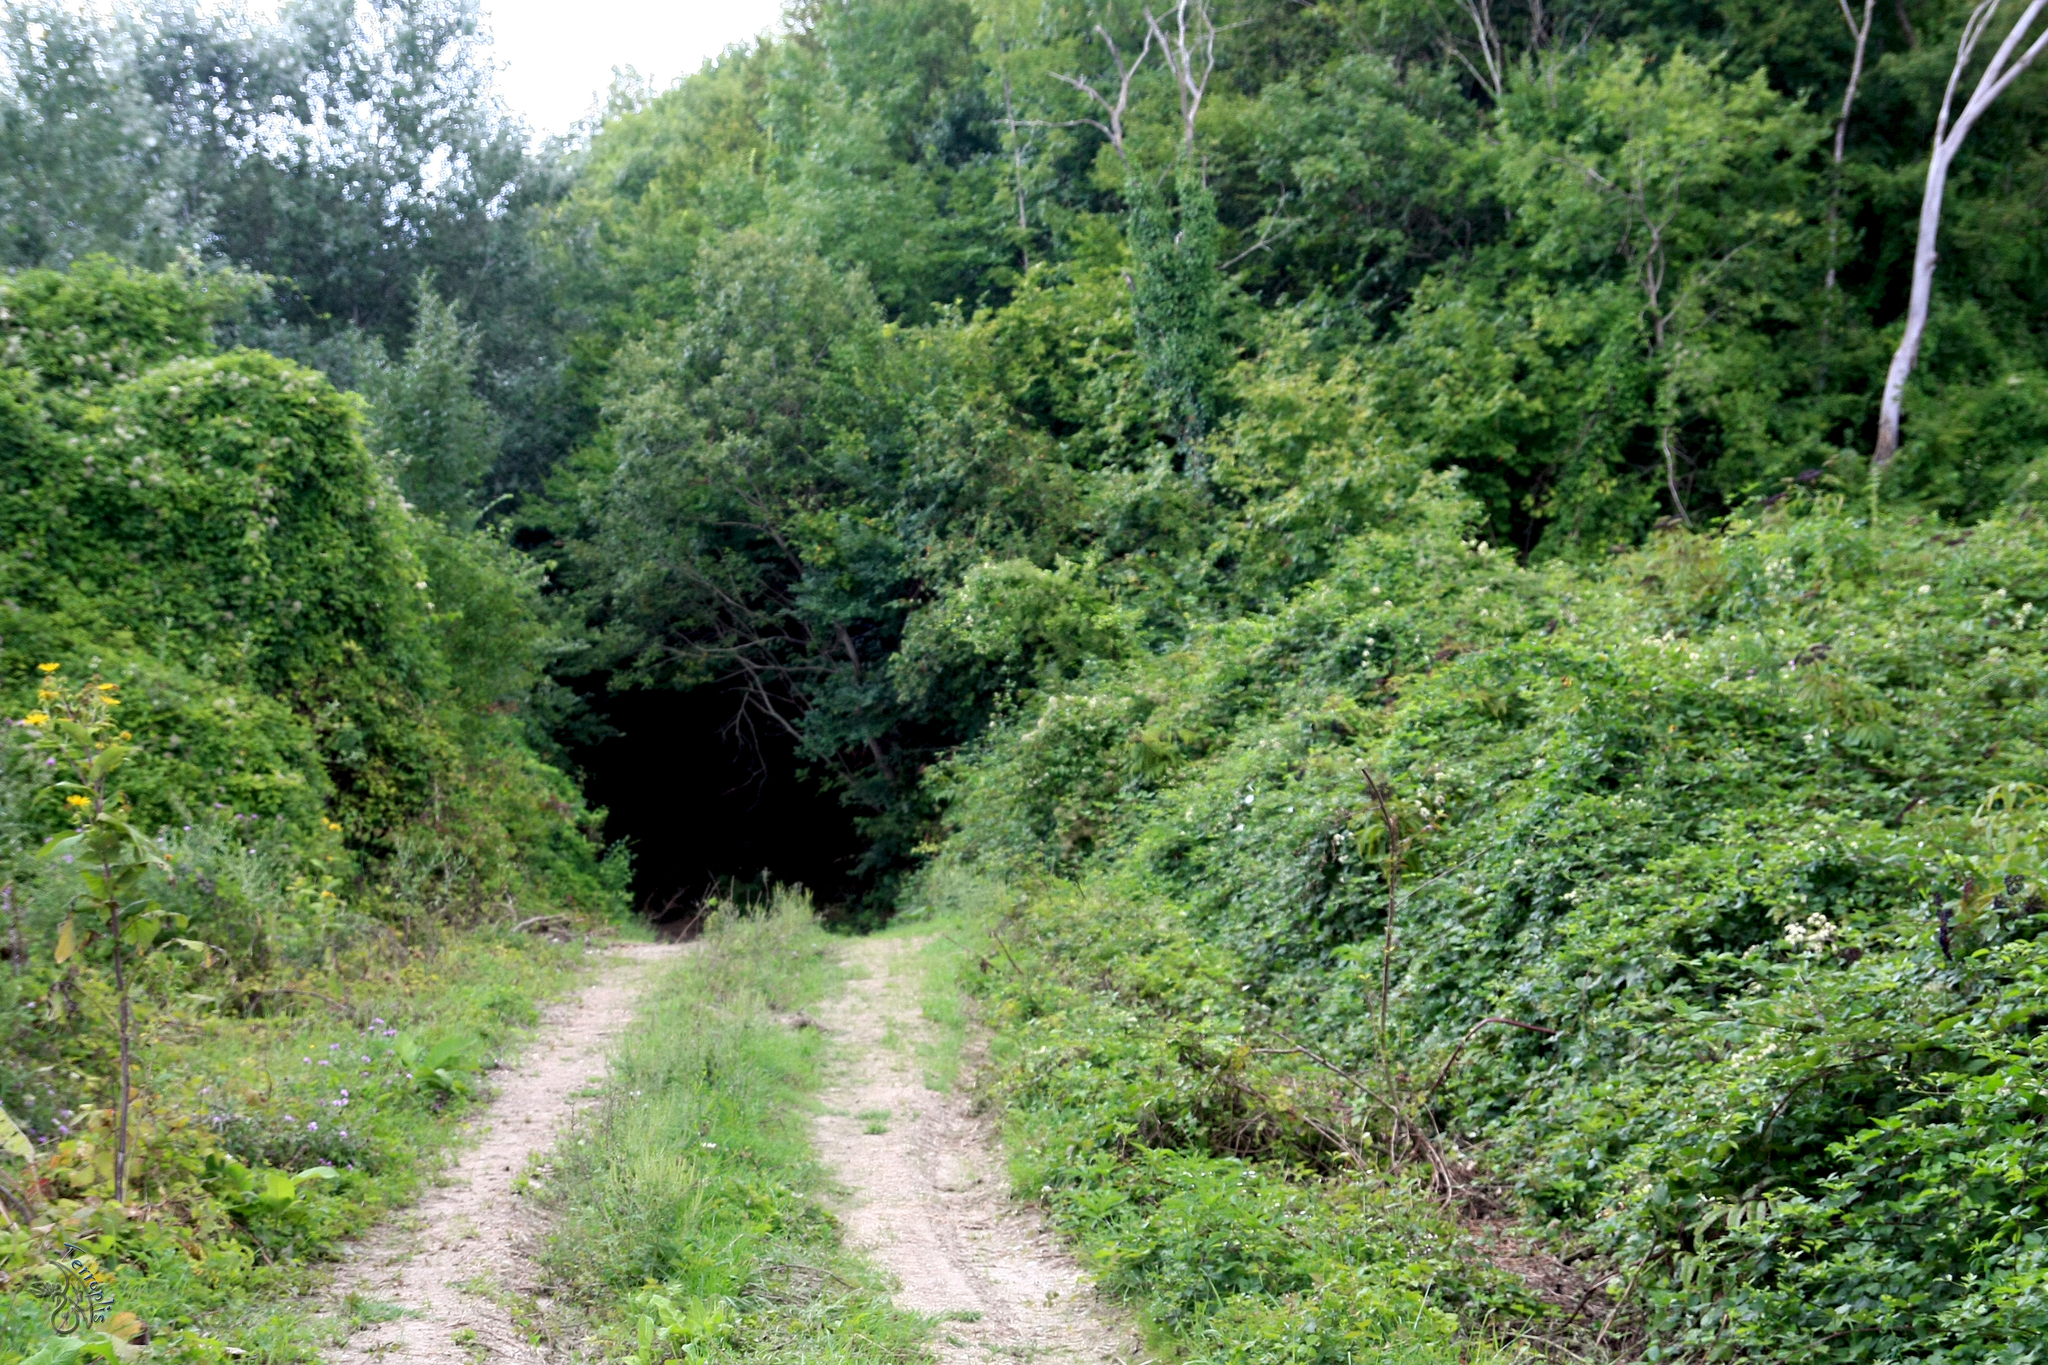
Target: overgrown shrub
265,724
1728,827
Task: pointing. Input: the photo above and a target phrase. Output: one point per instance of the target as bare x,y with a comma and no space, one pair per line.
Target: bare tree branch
1183,52
1271,230
1492,53
1113,111
1667,442
1859,33
1017,166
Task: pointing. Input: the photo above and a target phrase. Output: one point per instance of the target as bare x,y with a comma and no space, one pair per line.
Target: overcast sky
557,57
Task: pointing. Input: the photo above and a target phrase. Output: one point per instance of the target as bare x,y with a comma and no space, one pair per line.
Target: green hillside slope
1711,944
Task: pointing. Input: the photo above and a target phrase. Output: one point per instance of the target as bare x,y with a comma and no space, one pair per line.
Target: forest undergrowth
1683,910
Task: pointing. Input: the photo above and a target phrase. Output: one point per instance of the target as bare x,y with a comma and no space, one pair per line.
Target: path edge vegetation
1377,1271
283,868
316,1123
1637,960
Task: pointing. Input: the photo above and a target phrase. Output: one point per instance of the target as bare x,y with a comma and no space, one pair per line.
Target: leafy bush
210,531
289,758
1727,827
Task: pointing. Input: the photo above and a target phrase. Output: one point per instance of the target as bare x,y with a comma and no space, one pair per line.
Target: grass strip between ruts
691,1213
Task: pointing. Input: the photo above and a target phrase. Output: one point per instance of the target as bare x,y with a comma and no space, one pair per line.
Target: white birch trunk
2002,70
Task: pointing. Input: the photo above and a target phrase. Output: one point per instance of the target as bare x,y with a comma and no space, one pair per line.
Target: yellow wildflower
35,718
46,694
334,825
125,734
78,799
111,701
108,687
49,668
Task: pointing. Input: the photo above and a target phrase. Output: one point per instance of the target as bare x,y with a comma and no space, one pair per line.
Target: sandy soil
928,1196
438,1283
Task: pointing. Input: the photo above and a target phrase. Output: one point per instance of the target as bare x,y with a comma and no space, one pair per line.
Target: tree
738,538
1687,177
428,414
1999,73
1176,287
341,148
87,160
109,855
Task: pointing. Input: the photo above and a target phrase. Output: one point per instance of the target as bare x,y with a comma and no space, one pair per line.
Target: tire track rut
928,1195
435,1283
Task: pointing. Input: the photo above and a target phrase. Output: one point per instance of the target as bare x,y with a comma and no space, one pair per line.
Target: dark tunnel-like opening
707,810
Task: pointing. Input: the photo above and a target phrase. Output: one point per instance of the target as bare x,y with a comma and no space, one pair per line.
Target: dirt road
928,1196
437,1284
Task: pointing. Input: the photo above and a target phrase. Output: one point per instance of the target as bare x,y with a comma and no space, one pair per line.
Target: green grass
944,938
692,1216
1121,1105
208,1282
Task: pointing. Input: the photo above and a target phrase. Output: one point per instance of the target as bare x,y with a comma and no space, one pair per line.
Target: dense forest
1461,583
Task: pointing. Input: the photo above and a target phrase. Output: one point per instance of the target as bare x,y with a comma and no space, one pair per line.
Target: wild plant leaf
193,945
63,844
12,1139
